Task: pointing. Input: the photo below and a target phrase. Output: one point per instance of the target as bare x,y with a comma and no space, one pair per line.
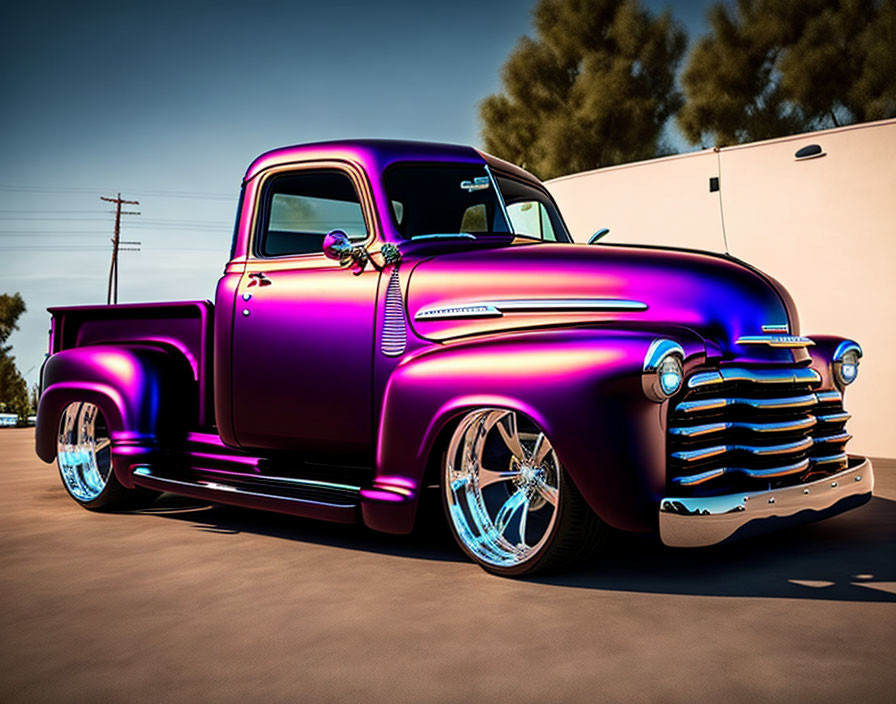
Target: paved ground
191,603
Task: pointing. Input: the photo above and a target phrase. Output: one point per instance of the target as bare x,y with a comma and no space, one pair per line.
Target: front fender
143,391
582,386
823,352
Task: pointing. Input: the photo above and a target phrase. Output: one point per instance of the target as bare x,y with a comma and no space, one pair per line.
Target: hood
521,286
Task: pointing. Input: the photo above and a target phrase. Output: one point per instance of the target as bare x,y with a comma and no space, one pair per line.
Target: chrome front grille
739,428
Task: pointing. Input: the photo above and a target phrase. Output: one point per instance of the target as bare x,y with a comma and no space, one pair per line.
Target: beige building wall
825,227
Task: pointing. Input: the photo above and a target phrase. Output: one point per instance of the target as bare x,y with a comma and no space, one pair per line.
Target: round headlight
846,363
670,374
663,370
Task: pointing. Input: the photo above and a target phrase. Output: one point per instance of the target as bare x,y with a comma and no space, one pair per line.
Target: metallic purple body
301,376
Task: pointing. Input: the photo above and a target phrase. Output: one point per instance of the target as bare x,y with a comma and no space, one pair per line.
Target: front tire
510,503
84,458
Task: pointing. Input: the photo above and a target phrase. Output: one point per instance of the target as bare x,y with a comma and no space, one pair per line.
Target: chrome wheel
84,451
502,484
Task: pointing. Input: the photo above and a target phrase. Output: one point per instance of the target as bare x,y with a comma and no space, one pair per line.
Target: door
303,327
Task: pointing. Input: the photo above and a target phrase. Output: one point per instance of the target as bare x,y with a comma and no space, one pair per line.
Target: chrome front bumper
696,522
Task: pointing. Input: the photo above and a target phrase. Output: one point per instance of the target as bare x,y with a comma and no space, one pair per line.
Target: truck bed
185,326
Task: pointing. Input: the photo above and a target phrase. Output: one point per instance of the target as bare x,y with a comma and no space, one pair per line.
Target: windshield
432,199
437,199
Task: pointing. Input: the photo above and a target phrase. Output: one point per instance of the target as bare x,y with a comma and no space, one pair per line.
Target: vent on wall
810,151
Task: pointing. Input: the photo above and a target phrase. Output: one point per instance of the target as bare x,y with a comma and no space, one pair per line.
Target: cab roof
374,155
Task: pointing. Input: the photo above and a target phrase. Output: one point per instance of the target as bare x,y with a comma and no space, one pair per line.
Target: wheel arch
435,443
142,390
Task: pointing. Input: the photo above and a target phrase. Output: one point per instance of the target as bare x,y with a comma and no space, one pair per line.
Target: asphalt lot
191,603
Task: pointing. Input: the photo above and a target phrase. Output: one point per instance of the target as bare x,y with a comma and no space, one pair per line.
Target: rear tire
84,458
510,503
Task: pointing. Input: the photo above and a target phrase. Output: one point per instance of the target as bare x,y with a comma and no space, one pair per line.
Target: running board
299,497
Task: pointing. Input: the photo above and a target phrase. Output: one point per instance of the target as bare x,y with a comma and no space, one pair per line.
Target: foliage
774,67
595,88
13,389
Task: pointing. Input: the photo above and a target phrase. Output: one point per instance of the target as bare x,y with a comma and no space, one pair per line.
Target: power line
160,228
199,195
96,248
33,212
58,248
48,233
62,219
152,221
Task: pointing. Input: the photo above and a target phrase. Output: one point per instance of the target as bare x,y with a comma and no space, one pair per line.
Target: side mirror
597,235
338,246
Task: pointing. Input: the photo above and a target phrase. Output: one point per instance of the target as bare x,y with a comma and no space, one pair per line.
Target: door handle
259,277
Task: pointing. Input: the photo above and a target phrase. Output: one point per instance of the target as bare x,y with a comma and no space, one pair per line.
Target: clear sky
168,102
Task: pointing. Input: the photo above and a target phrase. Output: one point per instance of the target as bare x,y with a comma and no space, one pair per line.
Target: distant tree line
14,397
597,84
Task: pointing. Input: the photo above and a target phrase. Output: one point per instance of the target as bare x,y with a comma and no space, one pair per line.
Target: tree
774,67
33,399
13,389
595,88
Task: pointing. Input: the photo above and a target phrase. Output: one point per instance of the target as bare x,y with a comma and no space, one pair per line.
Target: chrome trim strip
471,310
775,340
803,375
660,349
527,305
839,437
709,404
835,417
771,472
696,430
693,431
756,450
695,479
839,457
446,236
494,181
696,522
494,309
829,396
314,483
844,347
783,329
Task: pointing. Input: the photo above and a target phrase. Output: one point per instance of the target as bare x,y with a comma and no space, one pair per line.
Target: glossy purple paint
144,391
300,377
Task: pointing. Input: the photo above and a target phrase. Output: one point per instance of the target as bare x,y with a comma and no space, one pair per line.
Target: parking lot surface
187,602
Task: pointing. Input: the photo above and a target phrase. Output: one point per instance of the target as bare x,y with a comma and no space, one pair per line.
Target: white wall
824,227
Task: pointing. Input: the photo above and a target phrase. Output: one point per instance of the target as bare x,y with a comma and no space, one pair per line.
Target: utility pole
112,295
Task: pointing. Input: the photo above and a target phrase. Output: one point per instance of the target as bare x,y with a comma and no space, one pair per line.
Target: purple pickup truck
398,317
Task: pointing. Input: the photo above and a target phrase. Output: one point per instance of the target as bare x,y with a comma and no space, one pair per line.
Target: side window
475,219
302,207
531,218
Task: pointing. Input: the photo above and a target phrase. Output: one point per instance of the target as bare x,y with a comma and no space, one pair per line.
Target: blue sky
169,102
